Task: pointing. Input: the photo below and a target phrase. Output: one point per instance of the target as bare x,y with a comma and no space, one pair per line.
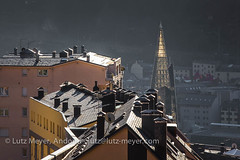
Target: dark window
24,112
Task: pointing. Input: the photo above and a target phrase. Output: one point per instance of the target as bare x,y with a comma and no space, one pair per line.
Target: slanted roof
98,59
124,117
233,152
46,60
90,106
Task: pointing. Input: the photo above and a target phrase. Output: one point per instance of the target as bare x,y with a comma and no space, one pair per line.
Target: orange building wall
77,72
109,151
150,156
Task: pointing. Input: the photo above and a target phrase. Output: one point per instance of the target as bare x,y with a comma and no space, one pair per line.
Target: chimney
77,110
148,117
222,148
70,51
64,54
160,106
54,54
15,51
118,93
122,93
100,125
56,102
126,96
160,133
137,106
153,92
40,92
108,102
75,48
64,106
132,95
88,58
37,55
82,49
152,101
145,102
95,88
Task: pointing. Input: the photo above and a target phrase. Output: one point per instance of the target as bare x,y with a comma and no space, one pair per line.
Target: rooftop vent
56,102
100,125
15,51
82,49
64,54
95,88
40,92
77,110
64,106
54,54
75,48
70,51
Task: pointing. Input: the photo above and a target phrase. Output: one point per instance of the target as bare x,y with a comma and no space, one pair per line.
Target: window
24,72
53,128
37,119
60,132
43,72
47,124
24,152
57,130
24,112
33,116
3,91
24,132
40,120
3,132
44,123
24,92
3,112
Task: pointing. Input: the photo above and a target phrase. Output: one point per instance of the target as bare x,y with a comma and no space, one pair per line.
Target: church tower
161,78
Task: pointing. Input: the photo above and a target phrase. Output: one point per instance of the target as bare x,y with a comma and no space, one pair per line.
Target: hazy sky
126,28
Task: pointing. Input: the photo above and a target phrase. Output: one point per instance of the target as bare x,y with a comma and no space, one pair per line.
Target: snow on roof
98,59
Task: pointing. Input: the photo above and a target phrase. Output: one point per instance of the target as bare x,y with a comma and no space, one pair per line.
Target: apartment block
22,72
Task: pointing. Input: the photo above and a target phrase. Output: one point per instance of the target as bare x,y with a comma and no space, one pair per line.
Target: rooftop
75,95
30,59
228,68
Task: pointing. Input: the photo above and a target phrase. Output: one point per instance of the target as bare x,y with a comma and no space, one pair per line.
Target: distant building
227,73
202,103
22,72
204,70
137,70
197,110
230,112
182,73
217,133
120,126
219,152
139,77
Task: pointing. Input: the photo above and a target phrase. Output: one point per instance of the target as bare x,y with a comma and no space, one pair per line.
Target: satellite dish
234,146
109,117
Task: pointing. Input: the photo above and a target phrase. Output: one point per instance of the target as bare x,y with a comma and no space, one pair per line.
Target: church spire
161,43
160,77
